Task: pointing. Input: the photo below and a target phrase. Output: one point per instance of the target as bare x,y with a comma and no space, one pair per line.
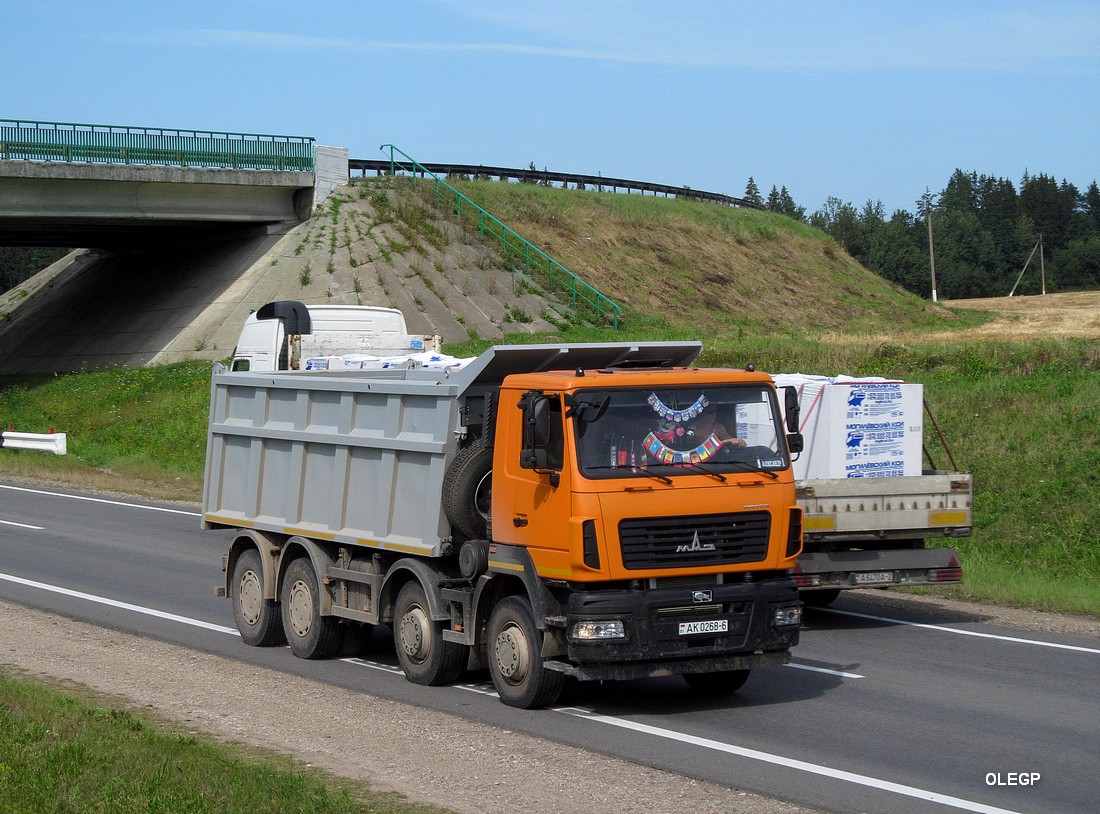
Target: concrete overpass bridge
173,218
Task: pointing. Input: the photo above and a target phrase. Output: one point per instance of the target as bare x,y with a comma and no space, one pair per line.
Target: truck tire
257,618
309,634
468,491
517,670
424,655
719,683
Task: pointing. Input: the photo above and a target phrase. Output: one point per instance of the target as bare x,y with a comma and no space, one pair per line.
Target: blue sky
857,100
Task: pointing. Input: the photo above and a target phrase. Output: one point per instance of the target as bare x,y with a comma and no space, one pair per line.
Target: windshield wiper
635,470
703,469
747,467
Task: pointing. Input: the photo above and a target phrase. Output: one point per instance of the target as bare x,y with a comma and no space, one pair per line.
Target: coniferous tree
789,208
752,193
1092,206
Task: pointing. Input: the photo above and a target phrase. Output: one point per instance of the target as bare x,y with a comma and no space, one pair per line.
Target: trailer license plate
712,626
873,577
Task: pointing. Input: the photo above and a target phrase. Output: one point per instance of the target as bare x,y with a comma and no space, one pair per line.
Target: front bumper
655,644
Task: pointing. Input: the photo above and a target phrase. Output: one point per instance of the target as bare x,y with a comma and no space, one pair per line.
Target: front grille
686,542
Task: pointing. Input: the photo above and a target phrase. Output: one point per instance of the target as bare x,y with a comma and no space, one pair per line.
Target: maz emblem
701,596
695,546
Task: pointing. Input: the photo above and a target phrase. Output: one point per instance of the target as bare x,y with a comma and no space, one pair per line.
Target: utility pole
931,250
1042,265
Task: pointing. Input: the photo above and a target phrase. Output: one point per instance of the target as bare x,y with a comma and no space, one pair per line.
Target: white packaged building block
858,428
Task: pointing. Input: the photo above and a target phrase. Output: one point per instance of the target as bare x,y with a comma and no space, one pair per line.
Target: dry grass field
1048,316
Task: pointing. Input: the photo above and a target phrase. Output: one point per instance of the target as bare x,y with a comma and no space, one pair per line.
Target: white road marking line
101,500
21,525
961,632
790,763
114,603
374,665
840,673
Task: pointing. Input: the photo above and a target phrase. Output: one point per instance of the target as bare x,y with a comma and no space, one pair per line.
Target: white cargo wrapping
363,361
857,428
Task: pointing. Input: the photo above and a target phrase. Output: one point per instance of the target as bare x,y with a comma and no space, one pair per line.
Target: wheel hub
251,597
301,608
511,653
415,634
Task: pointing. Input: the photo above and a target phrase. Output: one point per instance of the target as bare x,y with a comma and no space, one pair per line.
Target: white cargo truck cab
286,335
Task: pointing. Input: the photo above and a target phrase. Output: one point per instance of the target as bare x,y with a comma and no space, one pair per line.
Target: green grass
1022,417
142,429
62,753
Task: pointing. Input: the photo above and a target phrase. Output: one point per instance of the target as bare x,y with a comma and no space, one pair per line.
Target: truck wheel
517,668
468,491
257,618
819,599
309,634
718,683
425,657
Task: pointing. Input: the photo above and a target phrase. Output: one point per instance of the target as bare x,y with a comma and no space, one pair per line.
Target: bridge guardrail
111,144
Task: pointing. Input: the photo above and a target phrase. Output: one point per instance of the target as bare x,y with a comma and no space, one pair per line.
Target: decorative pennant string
666,455
679,416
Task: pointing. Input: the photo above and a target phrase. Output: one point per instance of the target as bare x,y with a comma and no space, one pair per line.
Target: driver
707,424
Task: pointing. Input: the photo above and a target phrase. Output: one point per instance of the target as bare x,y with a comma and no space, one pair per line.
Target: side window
242,365
555,450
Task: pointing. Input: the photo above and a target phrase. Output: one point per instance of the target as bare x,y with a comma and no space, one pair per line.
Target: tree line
984,232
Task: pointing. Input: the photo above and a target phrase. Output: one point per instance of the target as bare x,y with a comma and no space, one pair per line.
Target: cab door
532,500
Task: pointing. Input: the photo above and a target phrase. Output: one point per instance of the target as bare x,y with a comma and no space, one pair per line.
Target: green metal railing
537,263
110,144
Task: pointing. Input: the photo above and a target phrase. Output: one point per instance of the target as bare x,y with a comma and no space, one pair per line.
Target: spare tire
468,491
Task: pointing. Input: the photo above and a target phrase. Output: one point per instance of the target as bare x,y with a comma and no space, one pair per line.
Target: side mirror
796,443
791,408
585,410
536,430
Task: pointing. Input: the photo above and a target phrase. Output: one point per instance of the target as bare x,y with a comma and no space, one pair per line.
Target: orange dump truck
602,511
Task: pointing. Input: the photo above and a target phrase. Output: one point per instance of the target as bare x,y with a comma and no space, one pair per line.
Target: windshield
672,432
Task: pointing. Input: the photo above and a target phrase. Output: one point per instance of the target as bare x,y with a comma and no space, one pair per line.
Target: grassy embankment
66,752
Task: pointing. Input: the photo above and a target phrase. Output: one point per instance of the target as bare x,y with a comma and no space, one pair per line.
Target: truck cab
286,335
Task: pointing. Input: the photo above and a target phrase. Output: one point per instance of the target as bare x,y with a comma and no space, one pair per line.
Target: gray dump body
360,457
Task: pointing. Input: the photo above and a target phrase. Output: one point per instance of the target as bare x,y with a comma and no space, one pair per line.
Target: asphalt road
918,710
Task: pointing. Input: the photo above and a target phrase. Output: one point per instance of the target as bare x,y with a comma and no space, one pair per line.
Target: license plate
874,576
712,626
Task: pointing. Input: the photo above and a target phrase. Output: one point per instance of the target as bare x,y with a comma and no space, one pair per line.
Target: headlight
785,617
601,629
